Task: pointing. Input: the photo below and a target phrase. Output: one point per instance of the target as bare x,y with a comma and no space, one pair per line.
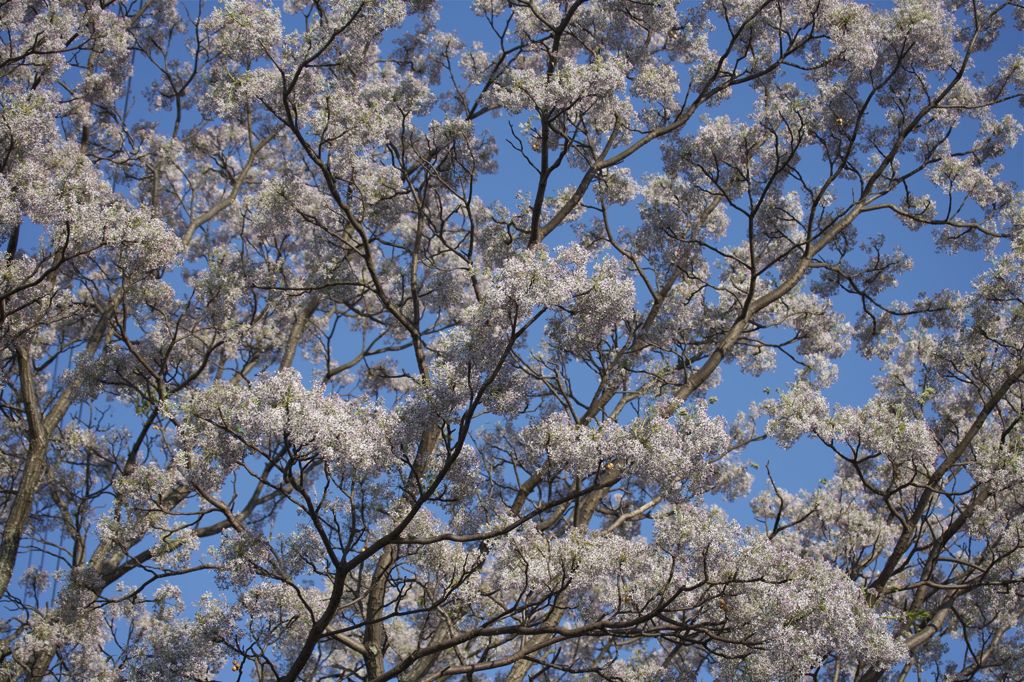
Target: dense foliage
336,346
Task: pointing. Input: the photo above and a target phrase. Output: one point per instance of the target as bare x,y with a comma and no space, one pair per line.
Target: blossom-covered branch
337,345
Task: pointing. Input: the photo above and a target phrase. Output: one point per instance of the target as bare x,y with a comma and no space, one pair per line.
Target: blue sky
805,464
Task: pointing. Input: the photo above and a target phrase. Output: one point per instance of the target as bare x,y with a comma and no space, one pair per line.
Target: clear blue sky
804,464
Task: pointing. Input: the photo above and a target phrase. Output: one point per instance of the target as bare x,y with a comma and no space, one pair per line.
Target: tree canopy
340,343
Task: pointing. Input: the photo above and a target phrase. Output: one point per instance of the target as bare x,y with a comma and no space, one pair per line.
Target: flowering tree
293,389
